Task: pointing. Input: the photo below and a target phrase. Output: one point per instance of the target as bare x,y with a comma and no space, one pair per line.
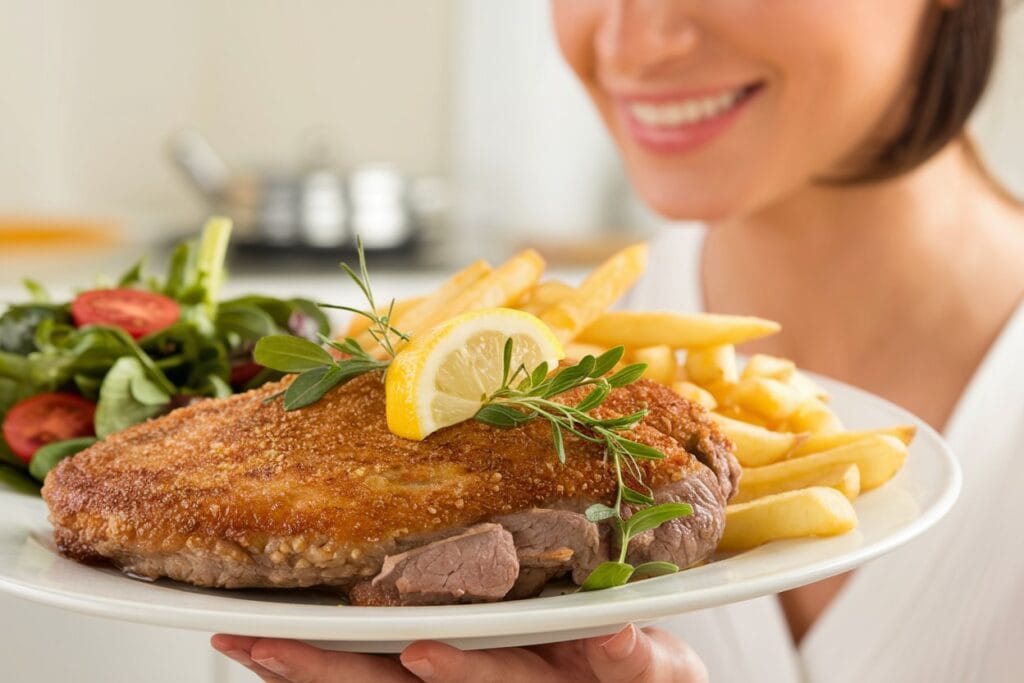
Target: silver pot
317,207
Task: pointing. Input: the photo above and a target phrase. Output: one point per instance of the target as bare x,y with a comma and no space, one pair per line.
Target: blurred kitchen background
437,129
440,130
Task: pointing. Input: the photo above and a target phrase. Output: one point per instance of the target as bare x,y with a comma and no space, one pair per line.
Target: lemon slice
442,377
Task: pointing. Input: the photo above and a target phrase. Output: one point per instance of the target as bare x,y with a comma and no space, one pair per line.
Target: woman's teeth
684,112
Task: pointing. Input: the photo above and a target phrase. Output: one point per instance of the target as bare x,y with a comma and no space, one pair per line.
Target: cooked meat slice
688,540
551,543
237,492
478,565
689,425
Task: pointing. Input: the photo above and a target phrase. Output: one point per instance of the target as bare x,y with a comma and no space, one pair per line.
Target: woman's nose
638,35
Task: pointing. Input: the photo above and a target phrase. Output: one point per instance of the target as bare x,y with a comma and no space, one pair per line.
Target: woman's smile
678,122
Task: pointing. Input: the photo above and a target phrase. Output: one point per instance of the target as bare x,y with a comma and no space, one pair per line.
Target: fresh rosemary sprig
526,395
380,325
319,371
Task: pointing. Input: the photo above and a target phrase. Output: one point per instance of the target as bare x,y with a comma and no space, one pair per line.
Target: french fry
824,442
578,351
417,317
815,511
678,330
772,367
813,416
691,392
842,478
598,291
806,387
543,296
360,323
768,398
500,287
661,363
712,365
721,394
879,458
757,446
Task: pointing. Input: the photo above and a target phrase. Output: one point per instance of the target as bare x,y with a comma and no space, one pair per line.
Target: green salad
74,372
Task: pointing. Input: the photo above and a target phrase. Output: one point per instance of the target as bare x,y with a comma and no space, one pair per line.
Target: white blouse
947,607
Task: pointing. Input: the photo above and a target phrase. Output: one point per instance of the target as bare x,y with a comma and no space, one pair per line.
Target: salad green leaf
42,350
47,457
118,408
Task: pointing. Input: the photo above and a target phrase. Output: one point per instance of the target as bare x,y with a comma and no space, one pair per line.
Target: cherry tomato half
45,418
136,312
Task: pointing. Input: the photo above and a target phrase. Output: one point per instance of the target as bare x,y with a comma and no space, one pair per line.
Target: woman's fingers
289,661
237,648
436,662
643,656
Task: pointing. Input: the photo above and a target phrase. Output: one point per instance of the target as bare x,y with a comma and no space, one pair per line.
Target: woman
822,144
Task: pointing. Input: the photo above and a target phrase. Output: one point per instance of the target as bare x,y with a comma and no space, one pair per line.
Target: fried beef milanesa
237,492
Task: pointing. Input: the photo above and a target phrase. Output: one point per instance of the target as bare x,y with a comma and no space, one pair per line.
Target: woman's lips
668,124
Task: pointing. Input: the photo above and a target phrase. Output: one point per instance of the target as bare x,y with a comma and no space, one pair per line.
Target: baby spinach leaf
143,390
117,408
18,325
48,456
249,323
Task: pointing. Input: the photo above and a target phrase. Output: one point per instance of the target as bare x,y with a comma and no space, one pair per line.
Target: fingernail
274,665
239,656
421,667
621,645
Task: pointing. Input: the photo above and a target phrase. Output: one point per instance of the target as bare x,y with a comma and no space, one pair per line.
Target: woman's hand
630,656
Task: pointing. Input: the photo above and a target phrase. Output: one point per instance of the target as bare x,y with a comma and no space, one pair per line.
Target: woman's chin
690,204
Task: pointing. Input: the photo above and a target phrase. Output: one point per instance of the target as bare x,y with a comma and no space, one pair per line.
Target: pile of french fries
801,468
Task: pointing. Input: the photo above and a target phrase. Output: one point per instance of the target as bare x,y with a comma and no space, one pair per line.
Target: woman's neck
928,214
864,277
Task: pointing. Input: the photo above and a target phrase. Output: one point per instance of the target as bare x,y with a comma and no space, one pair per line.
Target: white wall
999,121
89,91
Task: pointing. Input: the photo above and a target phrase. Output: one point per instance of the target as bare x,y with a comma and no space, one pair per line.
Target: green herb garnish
318,371
526,395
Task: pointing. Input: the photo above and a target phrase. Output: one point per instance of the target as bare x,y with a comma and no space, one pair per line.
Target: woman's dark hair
952,71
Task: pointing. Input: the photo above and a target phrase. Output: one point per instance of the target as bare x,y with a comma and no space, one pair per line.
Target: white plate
890,516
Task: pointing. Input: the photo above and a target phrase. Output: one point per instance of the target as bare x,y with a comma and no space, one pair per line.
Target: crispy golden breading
238,492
